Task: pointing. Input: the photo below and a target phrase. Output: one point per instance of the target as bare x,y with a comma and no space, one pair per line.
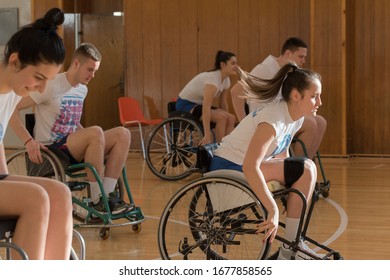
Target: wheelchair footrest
76,185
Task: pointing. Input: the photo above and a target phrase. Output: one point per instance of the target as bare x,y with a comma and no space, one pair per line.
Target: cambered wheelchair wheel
171,149
212,218
51,167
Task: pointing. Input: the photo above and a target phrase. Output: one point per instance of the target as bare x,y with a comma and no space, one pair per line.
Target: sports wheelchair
7,228
56,166
215,217
173,145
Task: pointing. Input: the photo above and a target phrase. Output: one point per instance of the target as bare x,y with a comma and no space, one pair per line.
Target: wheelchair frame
192,227
57,168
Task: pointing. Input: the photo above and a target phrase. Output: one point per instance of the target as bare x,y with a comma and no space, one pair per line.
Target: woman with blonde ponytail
258,146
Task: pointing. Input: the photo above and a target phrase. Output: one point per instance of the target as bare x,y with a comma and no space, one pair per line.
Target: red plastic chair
131,115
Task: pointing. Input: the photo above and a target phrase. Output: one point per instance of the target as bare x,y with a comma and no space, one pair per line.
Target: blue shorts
184,105
190,107
221,163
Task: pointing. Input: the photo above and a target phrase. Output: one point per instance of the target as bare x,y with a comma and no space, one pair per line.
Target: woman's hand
269,227
205,140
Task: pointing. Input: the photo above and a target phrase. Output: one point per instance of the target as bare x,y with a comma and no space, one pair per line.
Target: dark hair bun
54,17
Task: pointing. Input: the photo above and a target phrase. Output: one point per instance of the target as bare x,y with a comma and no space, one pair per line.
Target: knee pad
293,169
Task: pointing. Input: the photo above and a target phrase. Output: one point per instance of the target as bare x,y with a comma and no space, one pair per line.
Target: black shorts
61,145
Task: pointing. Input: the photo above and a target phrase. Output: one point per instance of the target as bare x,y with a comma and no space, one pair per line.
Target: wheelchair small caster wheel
104,233
325,193
136,228
324,189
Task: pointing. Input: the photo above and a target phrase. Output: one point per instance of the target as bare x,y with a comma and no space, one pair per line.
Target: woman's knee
61,190
60,196
309,124
310,172
231,119
36,200
321,122
220,119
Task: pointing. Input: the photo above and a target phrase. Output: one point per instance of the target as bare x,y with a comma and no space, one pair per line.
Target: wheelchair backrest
30,123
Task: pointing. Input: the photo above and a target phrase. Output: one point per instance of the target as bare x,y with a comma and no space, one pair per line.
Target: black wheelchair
216,217
56,165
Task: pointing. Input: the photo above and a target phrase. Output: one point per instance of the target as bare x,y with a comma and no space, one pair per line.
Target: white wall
24,14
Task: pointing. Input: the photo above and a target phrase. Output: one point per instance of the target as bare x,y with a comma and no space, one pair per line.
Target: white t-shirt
58,110
8,104
194,90
235,145
265,70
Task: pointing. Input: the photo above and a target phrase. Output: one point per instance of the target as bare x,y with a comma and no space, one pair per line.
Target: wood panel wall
168,42
327,53
369,58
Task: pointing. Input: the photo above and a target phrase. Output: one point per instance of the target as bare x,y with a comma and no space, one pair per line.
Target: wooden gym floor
354,219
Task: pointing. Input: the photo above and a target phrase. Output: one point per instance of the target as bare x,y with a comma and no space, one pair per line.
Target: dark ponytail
222,56
38,42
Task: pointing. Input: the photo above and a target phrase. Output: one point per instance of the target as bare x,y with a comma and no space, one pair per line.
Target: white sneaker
287,254
284,254
303,256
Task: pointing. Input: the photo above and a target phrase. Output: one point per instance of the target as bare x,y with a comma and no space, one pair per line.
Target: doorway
105,31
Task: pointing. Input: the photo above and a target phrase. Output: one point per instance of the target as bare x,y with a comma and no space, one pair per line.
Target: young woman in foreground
43,206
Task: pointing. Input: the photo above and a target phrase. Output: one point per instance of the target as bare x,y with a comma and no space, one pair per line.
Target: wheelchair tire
51,167
171,148
212,218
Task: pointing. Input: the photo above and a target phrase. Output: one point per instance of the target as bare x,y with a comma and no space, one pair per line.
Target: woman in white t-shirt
198,95
258,146
43,206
